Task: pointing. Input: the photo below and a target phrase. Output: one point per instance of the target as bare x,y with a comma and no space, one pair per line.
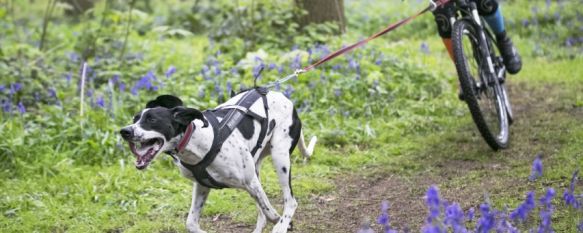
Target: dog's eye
150,119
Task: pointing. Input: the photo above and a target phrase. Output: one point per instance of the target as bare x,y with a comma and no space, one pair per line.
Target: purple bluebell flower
115,78
337,92
365,228
122,87
257,70
15,87
36,96
21,108
171,70
204,72
2,88
569,196
100,102
280,69
296,63
425,48
277,86
218,89
229,87
74,57
454,217
487,220
272,66
471,213
288,91
6,105
332,111
234,71
580,226
546,199
384,218
525,22
524,209
295,47
537,168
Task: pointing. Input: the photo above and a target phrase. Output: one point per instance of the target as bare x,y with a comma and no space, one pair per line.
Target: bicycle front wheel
480,87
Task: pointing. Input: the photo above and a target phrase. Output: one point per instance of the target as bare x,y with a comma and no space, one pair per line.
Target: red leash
431,7
433,4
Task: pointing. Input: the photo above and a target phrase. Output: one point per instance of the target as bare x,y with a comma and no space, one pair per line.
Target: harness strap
264,126
222,131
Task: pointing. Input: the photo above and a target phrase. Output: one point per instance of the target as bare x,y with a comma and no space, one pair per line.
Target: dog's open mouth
145,151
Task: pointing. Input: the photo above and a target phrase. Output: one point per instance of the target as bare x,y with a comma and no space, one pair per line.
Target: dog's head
161,122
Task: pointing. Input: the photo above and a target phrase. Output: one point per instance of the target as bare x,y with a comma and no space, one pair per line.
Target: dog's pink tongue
143,160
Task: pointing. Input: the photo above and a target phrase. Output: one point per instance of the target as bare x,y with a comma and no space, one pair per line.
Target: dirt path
463,175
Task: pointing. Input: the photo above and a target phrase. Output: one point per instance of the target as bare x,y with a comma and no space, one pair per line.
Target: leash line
432,6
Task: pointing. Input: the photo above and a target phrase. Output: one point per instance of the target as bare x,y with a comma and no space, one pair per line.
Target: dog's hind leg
199,195
281,162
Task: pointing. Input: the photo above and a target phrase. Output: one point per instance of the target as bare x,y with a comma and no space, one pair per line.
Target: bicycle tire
475,95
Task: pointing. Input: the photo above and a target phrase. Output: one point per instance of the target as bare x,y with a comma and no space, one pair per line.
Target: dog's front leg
199,195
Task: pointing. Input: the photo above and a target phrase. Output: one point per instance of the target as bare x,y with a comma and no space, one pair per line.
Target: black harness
233,114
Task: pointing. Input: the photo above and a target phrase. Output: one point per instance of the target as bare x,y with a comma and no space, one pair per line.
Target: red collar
186,138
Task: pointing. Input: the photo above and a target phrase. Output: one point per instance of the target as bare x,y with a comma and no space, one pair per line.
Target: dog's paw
194,229
280,228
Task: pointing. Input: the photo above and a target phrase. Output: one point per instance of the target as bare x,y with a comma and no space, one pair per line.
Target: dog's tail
309,150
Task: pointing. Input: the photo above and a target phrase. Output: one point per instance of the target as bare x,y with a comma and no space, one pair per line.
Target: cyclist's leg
491,12
443,15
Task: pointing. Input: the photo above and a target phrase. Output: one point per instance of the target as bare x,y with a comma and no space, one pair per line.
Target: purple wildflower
523,210
15,87
471,213
454,217
546,199
337,92
229,87
272,66
580,226
280,70
2,88
487,220
525,22
204,72
569,196
384,218
296,63
424,48
365,228
257,70
21,108
100,102
234,71
171,70
122,87
288,91
6,105
537,168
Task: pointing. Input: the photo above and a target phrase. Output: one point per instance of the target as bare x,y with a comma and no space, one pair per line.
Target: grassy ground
395,156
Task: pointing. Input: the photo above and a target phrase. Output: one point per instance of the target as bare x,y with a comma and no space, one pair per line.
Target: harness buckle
432,5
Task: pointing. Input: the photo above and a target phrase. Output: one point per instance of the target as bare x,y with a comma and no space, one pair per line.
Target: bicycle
482,75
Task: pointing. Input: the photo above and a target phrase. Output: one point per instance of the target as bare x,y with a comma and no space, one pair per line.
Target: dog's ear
166,101
184,115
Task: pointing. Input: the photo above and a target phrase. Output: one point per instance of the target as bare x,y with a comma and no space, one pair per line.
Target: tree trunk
320,11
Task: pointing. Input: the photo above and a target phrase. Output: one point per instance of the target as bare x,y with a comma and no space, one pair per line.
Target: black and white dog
263,127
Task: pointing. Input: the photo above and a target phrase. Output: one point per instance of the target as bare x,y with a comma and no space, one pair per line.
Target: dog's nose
126,133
